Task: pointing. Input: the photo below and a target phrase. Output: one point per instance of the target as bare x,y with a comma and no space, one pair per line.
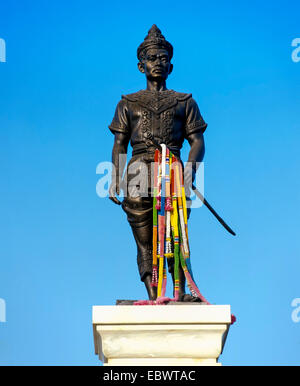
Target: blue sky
64,249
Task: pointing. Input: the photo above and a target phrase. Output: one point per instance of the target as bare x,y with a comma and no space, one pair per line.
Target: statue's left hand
113,190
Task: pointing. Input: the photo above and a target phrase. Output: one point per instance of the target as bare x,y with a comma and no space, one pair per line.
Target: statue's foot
189,298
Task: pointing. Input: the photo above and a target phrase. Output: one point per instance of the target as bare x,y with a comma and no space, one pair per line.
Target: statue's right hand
113,190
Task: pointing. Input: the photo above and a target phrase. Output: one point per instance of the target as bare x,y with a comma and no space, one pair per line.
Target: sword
199,195
211,209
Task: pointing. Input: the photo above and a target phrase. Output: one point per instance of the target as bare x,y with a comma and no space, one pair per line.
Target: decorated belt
143,148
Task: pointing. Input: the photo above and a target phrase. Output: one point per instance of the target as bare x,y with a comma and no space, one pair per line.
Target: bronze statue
147,119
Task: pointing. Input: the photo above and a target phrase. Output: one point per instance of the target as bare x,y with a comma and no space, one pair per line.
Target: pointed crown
154,38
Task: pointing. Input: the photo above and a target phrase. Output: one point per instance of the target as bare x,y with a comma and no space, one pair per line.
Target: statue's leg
143,238
139,216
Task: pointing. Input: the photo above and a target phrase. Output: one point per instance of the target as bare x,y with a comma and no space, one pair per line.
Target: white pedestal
160,335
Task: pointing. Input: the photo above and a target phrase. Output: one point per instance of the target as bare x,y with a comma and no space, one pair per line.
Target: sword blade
211,209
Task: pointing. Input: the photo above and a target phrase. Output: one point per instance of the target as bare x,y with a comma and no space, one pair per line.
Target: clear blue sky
64,249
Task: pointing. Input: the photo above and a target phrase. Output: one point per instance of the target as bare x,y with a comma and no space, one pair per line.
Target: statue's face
156,65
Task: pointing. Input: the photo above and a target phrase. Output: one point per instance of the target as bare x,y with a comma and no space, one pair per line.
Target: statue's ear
141,67
171,68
